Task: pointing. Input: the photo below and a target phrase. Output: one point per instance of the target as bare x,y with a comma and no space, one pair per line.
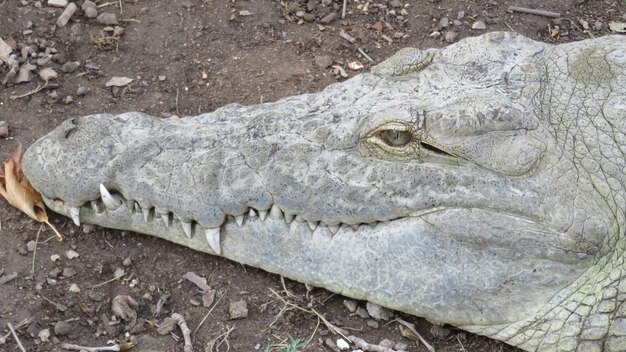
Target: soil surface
187,57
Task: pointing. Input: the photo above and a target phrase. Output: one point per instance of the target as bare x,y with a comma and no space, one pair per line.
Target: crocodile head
480,185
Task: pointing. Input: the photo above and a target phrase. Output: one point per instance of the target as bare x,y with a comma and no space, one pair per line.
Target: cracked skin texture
480,185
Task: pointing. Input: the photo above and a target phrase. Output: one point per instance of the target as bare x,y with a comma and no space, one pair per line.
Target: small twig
314,331
4,2
343,12
36,90
121,9
365,55
460,343
130,20
177,94
210,310
17,339
411,327
107,4
108,281
117,347
58,306
48,239
534,11
282,281
32,269
180,320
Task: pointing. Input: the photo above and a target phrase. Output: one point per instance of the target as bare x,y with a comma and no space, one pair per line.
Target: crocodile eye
396,138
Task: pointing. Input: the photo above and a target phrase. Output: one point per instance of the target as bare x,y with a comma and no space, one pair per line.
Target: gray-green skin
499,207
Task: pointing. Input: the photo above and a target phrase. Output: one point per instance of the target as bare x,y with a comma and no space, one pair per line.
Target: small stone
372,323
362,313
450,36
66,14
4,132
208,298
342,344
401,346
457,23
245,13
355,66
584,23
480,25
54,273
55,257
70,66
378,26
118,81
47,74
444,22
87,4
331,344
118,31
238,310
128,261
87,228
44,335
330,18
350,304
162,78
54,95
460,15
598,26
377,312
69,272
57,3
71,254
74,288
435,34
42,61
398,35
440,332
396,4
107,19
387,343
323,61
91,12
194,302
31,245
62,328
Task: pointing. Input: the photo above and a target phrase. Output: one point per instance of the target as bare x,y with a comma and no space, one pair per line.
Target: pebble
31,245
162,78
74,288
47,74
87,4
91,12
372,323
42,61
387,343
396,4
331,344
457,23
69,272
57,3
378,26
440,332
460,15
44,335
450,36
118,31
238,310
128,261
4,130
66,15
362,313
70,66
328,19
23,76
62,328
107,18
342,344
480,25
323,61
80,92
444,22
377,312
118,81
55,257
350,304
598,26
401,346
71,254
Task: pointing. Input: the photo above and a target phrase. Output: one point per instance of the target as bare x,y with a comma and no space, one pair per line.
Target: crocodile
480,185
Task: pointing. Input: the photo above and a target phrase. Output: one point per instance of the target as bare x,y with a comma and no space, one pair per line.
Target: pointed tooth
146,213
239,220
130,205
213,237
262,214
333,229
299,218
355,227
96,207
167,219
109,202
276,213
312,225
75,214
252,213
187,228
289,218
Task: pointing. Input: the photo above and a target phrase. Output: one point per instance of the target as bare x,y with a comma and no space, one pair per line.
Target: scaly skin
481,185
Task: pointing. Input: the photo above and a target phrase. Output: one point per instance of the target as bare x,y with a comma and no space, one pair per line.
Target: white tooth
75,214
299,218
333,228
96,207
275,212
252,213
262,214
146,213
213,237
288,218
239,220
167,219
355,227
130,205
109,202
187,228
312,225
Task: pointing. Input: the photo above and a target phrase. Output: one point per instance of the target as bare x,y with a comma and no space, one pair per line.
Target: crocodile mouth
113,210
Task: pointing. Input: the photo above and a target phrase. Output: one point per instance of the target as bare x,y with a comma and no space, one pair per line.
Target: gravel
323,61
107,19
70,66
238,310
62,328
480,25
48,74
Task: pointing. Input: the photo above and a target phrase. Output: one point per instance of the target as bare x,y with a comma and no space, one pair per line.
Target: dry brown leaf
18,191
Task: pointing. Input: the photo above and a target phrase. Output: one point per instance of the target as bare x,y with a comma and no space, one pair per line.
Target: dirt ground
186,57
